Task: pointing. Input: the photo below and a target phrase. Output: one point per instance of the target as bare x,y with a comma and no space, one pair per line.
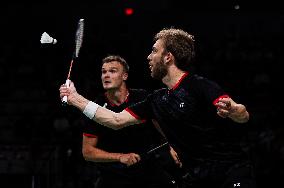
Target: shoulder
158,92
202,82
138,91
204,87
198,78
137,94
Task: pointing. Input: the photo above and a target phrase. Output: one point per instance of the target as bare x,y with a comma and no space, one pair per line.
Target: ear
125,76
168,57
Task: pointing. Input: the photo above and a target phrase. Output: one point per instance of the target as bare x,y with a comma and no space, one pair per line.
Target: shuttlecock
46,39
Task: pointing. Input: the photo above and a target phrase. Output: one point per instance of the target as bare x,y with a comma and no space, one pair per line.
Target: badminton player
194,112
116,153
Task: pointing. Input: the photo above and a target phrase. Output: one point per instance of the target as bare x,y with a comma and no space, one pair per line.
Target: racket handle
64,99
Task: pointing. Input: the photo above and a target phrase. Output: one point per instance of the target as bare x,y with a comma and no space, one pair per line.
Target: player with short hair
195,113
117,153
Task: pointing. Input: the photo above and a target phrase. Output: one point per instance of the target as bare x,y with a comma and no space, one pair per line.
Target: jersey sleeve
141,110
211,91
92,129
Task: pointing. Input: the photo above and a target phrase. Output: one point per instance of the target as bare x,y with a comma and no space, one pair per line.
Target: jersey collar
112,104
180,80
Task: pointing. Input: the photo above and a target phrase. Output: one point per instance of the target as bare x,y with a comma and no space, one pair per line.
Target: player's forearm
240,114
78,101
101,115
98,155
113,120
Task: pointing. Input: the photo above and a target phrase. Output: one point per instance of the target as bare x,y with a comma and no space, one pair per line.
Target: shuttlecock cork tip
54,41
47,39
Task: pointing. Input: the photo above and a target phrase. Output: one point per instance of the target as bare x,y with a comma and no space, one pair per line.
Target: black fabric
157,169
189,119
137,139
220,175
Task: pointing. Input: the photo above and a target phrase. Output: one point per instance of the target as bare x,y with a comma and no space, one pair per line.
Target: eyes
154,50
111,71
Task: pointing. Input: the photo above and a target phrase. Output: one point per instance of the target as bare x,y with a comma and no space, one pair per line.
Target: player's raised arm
226,107
96,112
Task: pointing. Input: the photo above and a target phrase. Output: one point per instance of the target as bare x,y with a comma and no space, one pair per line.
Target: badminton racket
78,45
157,148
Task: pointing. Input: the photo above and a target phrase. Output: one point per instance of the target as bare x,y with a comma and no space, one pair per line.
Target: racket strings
79,37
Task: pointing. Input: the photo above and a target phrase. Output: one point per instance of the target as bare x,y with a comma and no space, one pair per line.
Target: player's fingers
137,157
223,113
62,94
221,104
130,161
227,102
177,160
71,84
224,99
63,88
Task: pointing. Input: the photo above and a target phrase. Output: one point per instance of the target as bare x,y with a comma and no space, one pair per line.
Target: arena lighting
128,11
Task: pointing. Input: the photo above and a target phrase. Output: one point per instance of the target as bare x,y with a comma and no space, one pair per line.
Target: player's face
156,61
113,75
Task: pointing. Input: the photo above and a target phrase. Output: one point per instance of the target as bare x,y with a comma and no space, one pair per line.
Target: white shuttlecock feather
46,39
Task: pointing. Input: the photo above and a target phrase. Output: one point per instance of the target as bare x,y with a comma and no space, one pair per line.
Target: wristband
91,109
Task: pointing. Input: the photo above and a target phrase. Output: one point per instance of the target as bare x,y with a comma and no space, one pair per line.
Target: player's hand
226,107
175,157
129,158
70,92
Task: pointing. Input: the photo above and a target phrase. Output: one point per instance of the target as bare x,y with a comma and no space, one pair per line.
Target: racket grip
64,99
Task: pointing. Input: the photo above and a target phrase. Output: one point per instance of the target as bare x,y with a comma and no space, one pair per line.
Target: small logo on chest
237,184
181,105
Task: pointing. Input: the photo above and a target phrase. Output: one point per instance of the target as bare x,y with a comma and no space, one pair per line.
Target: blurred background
239,44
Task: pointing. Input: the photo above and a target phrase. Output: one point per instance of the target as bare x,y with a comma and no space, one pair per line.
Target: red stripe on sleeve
135,115
222,96
90,135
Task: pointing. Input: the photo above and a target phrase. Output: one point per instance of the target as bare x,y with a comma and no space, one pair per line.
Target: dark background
40,141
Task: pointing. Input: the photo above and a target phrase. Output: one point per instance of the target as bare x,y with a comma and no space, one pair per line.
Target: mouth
107,82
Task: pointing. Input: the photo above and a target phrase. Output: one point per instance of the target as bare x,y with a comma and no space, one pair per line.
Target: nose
149,57
105,75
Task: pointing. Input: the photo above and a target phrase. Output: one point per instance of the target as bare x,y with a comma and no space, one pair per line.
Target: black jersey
188,116
133,139
138,139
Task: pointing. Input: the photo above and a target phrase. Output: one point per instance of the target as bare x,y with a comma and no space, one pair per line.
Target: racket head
78,44
79,37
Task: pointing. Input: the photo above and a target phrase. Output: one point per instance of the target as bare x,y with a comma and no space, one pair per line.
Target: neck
118,96
173,76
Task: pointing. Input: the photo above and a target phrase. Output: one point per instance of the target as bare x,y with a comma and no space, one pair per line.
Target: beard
159,70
